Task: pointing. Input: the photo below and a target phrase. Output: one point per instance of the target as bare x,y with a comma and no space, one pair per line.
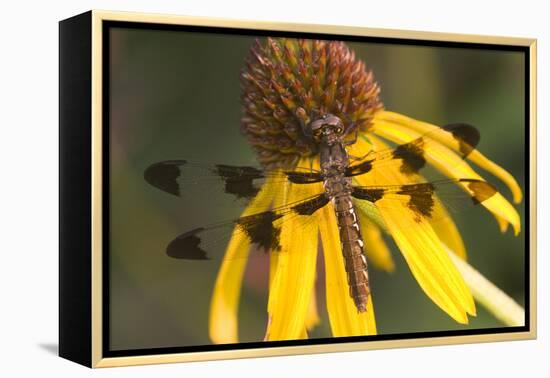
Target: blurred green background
176,95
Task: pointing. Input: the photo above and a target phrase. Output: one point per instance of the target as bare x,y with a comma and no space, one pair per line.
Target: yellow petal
292,285
475,156
443,224
375,247
429,262
223,321
273,260
344,318
312,319
481,161
279,199
502,224
425,255
450,164
446,230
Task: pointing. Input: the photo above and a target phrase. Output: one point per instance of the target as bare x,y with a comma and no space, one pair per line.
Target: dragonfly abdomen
334,161
352,249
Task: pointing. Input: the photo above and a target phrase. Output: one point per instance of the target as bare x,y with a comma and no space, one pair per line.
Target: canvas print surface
272,188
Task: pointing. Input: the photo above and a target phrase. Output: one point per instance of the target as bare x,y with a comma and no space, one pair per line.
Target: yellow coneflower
288,78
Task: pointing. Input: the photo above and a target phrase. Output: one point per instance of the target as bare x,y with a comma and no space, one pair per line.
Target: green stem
497,302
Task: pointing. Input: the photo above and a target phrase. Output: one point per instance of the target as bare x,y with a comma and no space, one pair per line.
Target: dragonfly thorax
334,158
337,186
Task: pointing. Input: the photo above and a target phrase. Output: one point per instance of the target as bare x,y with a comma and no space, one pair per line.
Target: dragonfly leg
360,158
352,141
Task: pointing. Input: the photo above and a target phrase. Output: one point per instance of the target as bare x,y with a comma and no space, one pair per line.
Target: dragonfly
337,169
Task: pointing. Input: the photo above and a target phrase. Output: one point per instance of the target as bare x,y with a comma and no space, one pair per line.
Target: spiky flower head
286,83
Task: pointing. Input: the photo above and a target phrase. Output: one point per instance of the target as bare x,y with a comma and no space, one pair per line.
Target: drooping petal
292,284
273,260
443,225
223,321
446,230
224,304
278,200
302,336
425,254
429,262
483,162
375,247
475,156
450,164
344,318
312,319
502,224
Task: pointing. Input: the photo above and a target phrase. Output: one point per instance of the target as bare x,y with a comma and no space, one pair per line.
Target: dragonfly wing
420,198
175,176
410,156
241,182
262,230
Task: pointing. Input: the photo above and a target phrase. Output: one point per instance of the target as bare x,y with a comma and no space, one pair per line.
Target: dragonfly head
327,128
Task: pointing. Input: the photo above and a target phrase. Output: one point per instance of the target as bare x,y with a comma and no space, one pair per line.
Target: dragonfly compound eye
335,123
325,125
315,128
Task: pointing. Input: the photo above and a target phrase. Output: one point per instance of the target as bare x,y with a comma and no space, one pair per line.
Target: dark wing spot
421,199
241,188
260,229
466,135
481,190
311,206
239,181
359,169
412,154
371,195
186,246
164,175
303,177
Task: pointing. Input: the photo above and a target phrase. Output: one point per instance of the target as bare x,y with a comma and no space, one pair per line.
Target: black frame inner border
107,25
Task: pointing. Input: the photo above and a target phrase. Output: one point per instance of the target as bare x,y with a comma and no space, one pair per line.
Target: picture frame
96,301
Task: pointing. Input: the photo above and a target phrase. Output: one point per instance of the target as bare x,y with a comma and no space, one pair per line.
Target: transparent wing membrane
455,194
409,157
240,182
261,230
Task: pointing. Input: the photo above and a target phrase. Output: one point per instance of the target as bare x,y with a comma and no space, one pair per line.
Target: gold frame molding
97,19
